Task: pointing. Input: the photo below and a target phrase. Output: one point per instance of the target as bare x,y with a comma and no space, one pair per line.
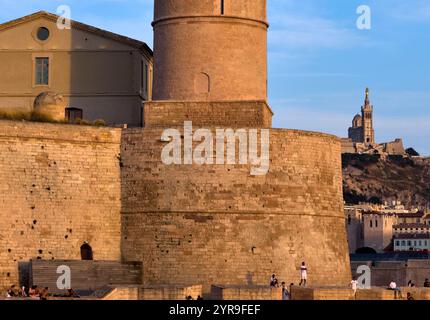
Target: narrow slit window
142,85
146,78
222,7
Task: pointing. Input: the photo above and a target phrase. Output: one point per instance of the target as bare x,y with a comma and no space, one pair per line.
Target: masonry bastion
63,185
217,224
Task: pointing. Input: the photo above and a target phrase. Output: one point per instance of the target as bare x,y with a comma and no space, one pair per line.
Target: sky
319,61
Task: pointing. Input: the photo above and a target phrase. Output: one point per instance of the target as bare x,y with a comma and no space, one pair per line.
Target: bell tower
367,120
210,50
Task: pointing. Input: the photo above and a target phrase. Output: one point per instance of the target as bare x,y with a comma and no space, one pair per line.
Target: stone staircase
86,276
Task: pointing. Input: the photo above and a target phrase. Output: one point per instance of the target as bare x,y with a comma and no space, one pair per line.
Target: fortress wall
207,225
59,186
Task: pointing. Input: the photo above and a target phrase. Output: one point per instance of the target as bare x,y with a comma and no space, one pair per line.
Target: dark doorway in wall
86,252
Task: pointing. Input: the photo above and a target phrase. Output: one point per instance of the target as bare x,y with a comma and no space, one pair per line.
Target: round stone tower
210,50
193,223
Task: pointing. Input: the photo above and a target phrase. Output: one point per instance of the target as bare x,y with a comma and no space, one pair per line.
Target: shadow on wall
103,79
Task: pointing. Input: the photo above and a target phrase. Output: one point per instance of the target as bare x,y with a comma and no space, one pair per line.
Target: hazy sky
319,61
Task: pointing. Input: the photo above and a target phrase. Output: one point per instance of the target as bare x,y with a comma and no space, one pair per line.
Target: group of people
35,293
393,286
32,292
409,296
286,294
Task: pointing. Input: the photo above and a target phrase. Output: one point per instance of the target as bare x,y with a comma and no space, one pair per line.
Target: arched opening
86,252
365,250
202,84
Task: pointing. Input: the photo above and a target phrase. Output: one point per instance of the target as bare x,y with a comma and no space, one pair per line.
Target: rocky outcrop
369,178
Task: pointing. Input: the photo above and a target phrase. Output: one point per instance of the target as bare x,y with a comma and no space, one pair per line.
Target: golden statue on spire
367,96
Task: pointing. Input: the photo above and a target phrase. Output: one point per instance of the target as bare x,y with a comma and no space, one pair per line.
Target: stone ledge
59,132
255,114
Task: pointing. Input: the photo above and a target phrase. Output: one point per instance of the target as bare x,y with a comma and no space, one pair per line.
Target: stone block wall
170,292
255,114
59,186
85,275
218,224
154,293
122,293
383,272
245,293
312,293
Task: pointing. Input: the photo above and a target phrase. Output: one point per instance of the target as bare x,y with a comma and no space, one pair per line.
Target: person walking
354,284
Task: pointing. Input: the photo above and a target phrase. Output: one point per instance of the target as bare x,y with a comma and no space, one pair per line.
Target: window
146,78
397,243
409,243
420,243
349,220
371,223
376,223
403,243
42,71
142,85
42,34
73,114
222,7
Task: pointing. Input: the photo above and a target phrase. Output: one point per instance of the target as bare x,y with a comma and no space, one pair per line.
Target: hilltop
372,178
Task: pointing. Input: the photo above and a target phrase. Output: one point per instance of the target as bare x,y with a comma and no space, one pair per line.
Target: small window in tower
222,7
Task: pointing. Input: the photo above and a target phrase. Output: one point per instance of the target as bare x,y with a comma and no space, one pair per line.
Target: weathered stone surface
59,186
218,224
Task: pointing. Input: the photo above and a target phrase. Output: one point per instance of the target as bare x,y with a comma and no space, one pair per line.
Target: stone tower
367,121
219,224
210,50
